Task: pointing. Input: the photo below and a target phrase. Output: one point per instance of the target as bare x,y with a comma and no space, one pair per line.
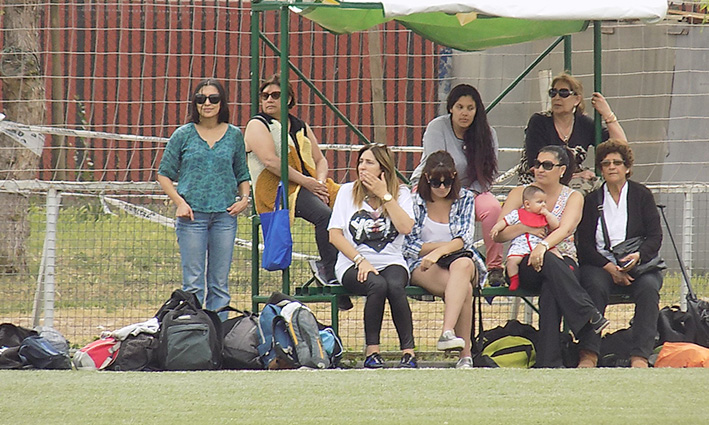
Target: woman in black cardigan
630,211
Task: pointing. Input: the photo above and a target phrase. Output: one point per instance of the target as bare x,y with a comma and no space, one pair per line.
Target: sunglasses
616,162
564,93
448,182
547,165
275,95
213,98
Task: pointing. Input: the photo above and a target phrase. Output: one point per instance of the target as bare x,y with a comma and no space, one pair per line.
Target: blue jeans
206,248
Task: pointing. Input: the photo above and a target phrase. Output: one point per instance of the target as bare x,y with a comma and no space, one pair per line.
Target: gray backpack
240,340
304,331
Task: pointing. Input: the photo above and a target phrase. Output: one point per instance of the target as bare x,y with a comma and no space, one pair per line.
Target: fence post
53,200
687,220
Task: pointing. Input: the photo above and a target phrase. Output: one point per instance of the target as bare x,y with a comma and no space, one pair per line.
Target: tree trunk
23,101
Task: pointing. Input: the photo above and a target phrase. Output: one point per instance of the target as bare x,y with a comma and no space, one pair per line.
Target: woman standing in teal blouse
208,160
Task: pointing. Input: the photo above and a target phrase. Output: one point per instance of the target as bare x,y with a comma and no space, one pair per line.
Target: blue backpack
276,349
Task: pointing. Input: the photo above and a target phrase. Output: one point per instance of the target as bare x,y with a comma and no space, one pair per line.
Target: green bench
312,293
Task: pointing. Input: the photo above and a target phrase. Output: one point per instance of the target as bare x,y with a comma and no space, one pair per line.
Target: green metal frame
258,7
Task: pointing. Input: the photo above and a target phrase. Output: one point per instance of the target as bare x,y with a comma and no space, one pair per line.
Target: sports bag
276,348
190,339
615,348
137,353
277,239
682,354
240,341
38,352
305,334
177,298
511,345
13,335
97,355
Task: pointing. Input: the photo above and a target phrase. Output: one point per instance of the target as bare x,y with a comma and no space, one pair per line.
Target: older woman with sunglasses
555,278
311,192
207,158
440,250
466,134
566,124
621,209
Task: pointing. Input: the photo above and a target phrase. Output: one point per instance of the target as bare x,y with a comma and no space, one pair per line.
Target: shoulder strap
604,227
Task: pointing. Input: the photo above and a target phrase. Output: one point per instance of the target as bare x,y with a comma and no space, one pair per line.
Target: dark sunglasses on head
564,93
275,95
213,98
616,162
448,182
547,165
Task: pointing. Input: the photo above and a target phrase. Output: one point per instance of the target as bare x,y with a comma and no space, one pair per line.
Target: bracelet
545,244
358,259
612,118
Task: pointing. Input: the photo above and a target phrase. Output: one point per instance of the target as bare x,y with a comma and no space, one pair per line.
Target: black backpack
11,336
39,353
136,353
240,340
190,337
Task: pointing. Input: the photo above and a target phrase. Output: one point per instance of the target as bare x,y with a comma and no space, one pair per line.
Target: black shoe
408,362
344,303
598,322
374,361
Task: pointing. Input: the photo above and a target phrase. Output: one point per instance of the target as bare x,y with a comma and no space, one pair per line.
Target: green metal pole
254,67
597,70
523,74
285,19
567,54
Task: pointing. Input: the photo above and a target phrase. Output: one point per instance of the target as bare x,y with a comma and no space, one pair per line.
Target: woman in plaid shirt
440,253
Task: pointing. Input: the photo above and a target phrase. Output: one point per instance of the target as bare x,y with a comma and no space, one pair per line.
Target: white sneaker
464,363
448,341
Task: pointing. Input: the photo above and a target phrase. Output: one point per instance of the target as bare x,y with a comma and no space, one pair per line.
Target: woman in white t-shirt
369,220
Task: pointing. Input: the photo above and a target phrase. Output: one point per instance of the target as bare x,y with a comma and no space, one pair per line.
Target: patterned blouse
566,247
207,178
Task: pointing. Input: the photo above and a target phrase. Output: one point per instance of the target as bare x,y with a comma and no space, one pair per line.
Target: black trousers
645,293
560,295
313,210
390,285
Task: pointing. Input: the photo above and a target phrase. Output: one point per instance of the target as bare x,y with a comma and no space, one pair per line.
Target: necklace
565,137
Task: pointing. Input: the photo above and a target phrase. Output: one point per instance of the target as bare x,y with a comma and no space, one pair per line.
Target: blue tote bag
277,240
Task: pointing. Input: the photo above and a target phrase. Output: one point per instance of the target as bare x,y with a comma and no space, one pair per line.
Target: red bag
97,355
682,354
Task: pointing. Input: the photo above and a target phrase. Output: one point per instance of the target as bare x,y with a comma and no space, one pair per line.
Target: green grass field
426,396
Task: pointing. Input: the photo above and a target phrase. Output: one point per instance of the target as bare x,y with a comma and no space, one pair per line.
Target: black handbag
629,246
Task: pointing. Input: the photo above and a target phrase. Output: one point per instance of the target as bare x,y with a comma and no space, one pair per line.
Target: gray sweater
439,135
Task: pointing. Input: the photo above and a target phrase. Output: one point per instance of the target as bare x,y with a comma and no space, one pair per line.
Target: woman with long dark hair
207,158
466,134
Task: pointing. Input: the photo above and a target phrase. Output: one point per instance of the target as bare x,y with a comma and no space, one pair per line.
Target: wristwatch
386,198
545,244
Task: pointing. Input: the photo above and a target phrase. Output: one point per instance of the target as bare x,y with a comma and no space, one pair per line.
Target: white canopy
649,10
